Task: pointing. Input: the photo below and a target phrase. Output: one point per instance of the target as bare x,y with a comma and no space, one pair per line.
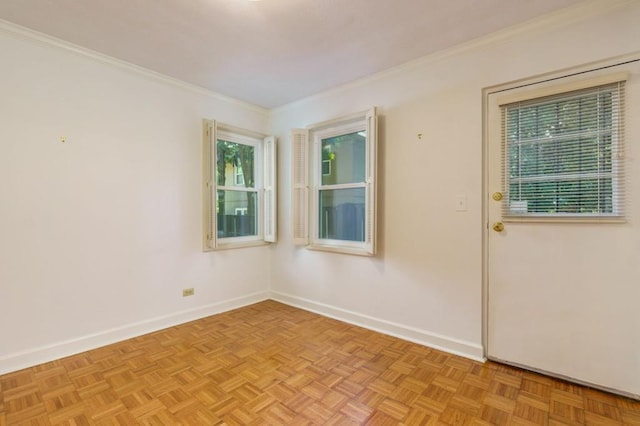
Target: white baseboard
25,359
422,337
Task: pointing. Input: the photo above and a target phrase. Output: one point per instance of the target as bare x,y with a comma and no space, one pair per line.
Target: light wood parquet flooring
274,364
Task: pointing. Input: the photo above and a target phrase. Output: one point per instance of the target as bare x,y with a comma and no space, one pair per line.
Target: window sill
356,251
237,245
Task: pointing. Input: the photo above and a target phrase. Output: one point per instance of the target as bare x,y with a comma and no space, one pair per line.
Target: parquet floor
273,364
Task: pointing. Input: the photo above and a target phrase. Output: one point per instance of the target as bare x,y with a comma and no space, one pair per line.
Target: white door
564,293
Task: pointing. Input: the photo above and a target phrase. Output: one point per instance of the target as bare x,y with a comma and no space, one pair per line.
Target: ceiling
270,52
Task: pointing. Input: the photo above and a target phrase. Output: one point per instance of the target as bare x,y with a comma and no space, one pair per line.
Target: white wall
100,234
426,283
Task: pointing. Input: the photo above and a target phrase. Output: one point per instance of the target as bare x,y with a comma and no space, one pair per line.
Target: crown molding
575,13
562,17
18,31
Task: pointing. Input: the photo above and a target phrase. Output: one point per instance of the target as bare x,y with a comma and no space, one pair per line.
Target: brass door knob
497,196
498,226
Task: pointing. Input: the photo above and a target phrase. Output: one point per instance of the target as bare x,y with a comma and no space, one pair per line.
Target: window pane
344,158
559,154
235,164
237,213
342,214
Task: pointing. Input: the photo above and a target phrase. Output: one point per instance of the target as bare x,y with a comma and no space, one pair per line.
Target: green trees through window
239,187
561,153
236,202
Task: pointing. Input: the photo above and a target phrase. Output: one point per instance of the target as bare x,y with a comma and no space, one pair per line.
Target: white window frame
265,185
307,183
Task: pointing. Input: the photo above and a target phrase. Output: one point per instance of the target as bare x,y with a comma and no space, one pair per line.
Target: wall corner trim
423,337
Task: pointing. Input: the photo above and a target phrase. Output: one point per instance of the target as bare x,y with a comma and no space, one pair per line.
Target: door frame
574,71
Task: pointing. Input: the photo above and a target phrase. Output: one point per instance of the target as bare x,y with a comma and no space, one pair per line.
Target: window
334,185
326,167
562,154
238,175
239,187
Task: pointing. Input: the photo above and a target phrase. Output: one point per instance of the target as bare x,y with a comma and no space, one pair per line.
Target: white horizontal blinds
562,155
300,180
270,202
370,181
209,187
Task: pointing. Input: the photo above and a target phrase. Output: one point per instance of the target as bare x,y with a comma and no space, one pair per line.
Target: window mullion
342,186
236,188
